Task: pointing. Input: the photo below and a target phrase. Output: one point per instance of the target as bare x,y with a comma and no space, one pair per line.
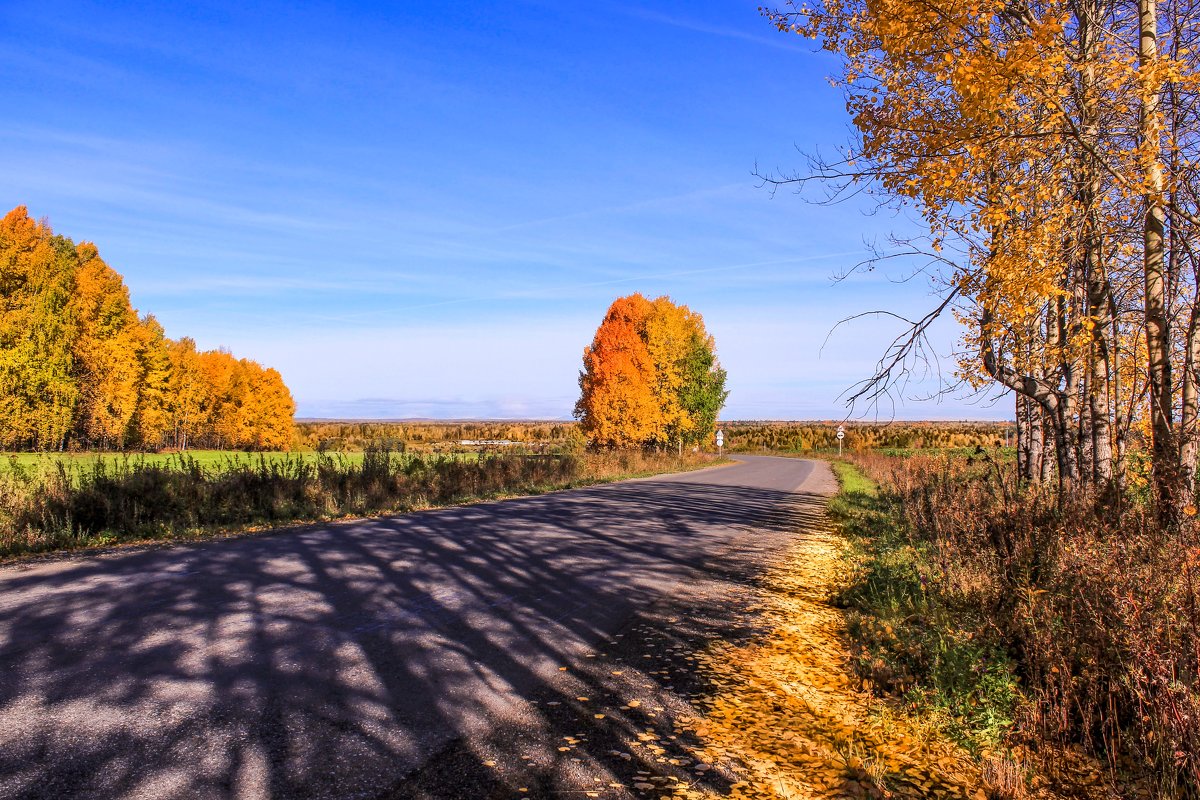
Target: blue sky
423,209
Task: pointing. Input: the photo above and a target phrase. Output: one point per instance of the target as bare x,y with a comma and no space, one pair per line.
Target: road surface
339,660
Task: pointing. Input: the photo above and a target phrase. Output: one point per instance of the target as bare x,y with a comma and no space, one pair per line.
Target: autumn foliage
650,377
1051,147
80,369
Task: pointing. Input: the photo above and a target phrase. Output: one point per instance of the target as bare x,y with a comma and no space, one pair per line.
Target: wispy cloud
779,40
573,289
658,203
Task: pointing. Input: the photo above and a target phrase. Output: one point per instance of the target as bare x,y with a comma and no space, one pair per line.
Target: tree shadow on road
335,661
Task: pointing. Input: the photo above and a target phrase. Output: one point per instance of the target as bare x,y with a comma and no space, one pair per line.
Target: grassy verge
1086,597
103,503
209,459
910,642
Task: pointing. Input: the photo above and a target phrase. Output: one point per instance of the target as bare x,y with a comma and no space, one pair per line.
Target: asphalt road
338,661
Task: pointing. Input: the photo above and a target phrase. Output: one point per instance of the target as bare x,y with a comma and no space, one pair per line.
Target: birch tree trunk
1163,453
1099,293
1024,471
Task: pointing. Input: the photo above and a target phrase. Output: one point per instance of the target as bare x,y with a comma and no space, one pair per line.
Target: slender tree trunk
1189,412
1063,413
1189,416
1047,465
1084,452
1096,455
1100,409
1022,413
1120,418
1064,446
1037,455
1163,453
1100,368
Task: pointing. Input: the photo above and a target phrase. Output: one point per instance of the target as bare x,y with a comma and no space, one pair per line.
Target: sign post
720,441
841,434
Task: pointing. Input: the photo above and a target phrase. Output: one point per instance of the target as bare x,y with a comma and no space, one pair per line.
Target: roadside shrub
1098,605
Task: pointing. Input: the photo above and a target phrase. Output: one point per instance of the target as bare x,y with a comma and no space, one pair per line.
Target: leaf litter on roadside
781,717
788,720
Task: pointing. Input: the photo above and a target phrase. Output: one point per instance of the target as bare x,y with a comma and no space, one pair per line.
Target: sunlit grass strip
215,460
109,502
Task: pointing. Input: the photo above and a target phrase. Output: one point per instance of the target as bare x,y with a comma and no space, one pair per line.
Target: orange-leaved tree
617,405
650,377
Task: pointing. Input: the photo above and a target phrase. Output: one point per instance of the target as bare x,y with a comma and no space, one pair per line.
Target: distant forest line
740,436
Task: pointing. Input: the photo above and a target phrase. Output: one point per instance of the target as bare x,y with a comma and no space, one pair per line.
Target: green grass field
209,460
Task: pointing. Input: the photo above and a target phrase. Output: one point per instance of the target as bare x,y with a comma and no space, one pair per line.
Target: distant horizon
548,420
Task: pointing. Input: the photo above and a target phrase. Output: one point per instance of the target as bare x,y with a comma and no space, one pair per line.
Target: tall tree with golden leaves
667,331
38,391
106,351
188,406
152,418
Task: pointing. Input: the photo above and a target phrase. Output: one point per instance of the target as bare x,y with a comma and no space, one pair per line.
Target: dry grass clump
1097,604
1003,779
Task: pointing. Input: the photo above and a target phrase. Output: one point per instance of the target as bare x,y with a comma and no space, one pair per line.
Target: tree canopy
651,377
79,368
1052,148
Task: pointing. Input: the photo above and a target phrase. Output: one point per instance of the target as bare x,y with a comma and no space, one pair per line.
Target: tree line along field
428,435
767,436
349,439
80,369
740,435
